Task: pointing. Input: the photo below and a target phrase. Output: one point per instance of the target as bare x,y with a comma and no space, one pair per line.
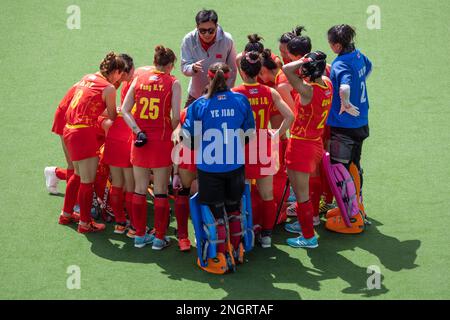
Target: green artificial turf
406,159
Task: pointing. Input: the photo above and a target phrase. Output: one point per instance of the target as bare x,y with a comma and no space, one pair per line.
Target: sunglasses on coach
204,31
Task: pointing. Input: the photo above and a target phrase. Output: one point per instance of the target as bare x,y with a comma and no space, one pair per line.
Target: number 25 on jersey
150,108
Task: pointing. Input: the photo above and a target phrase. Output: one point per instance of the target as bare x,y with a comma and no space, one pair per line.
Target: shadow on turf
266,272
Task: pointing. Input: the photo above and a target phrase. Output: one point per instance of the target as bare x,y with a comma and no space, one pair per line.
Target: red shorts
304,155
117,153
189,164
59,122
154,154
81,143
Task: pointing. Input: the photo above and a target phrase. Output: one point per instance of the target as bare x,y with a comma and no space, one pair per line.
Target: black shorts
346,144
221,188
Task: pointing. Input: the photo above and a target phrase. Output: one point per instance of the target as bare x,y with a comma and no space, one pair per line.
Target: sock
235,228
71,193
268,214
61,173
161,215
305,217
69,173
139,213
101,179
117,204
315,191
221,235
182,215
129,207
85,195
256,210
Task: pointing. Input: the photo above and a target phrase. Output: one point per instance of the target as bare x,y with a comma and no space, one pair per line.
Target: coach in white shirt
200,48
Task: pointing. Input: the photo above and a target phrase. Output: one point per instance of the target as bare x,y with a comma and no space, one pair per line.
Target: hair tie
250,60
213,74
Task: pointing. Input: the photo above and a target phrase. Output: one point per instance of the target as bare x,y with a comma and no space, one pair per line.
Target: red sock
117,204
129,206
221,235
61,173
182,215
69,173
256,210
235,228
139,213
269,214
71,193
305,217
315,191
85,195
161,216
101,179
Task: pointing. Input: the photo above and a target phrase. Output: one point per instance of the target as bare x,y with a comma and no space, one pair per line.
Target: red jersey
126,85
64,104
153,96
87,103
310,119
260,98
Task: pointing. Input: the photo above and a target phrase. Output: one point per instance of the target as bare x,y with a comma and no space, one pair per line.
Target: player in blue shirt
348,118
220,123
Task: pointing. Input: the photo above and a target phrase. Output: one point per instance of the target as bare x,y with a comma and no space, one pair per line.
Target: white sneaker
51,180
316,221
266,242
291,211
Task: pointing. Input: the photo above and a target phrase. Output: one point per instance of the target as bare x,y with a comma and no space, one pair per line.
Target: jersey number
363,94
152,107
76,98
261,117
322,122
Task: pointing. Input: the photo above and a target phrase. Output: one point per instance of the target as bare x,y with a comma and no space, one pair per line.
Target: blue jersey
352,69
219,123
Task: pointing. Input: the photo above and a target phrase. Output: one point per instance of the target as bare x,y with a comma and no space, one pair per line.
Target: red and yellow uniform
305,148
153,96
59,121
80,132
260,98
119,138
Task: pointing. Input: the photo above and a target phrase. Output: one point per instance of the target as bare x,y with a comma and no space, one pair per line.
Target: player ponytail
251,64
299,45
111,63
267,61
344,35
218,73
288,36
163,56
254,43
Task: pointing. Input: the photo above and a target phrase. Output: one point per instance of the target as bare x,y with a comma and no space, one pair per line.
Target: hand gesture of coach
202,47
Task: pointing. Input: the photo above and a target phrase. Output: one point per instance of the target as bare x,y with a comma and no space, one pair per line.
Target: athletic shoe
293,227
91,227
51,180
159,244
292,210
74,217
266,242
140,242
324,207
131,233
316,221
301,242
184,244
120,228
